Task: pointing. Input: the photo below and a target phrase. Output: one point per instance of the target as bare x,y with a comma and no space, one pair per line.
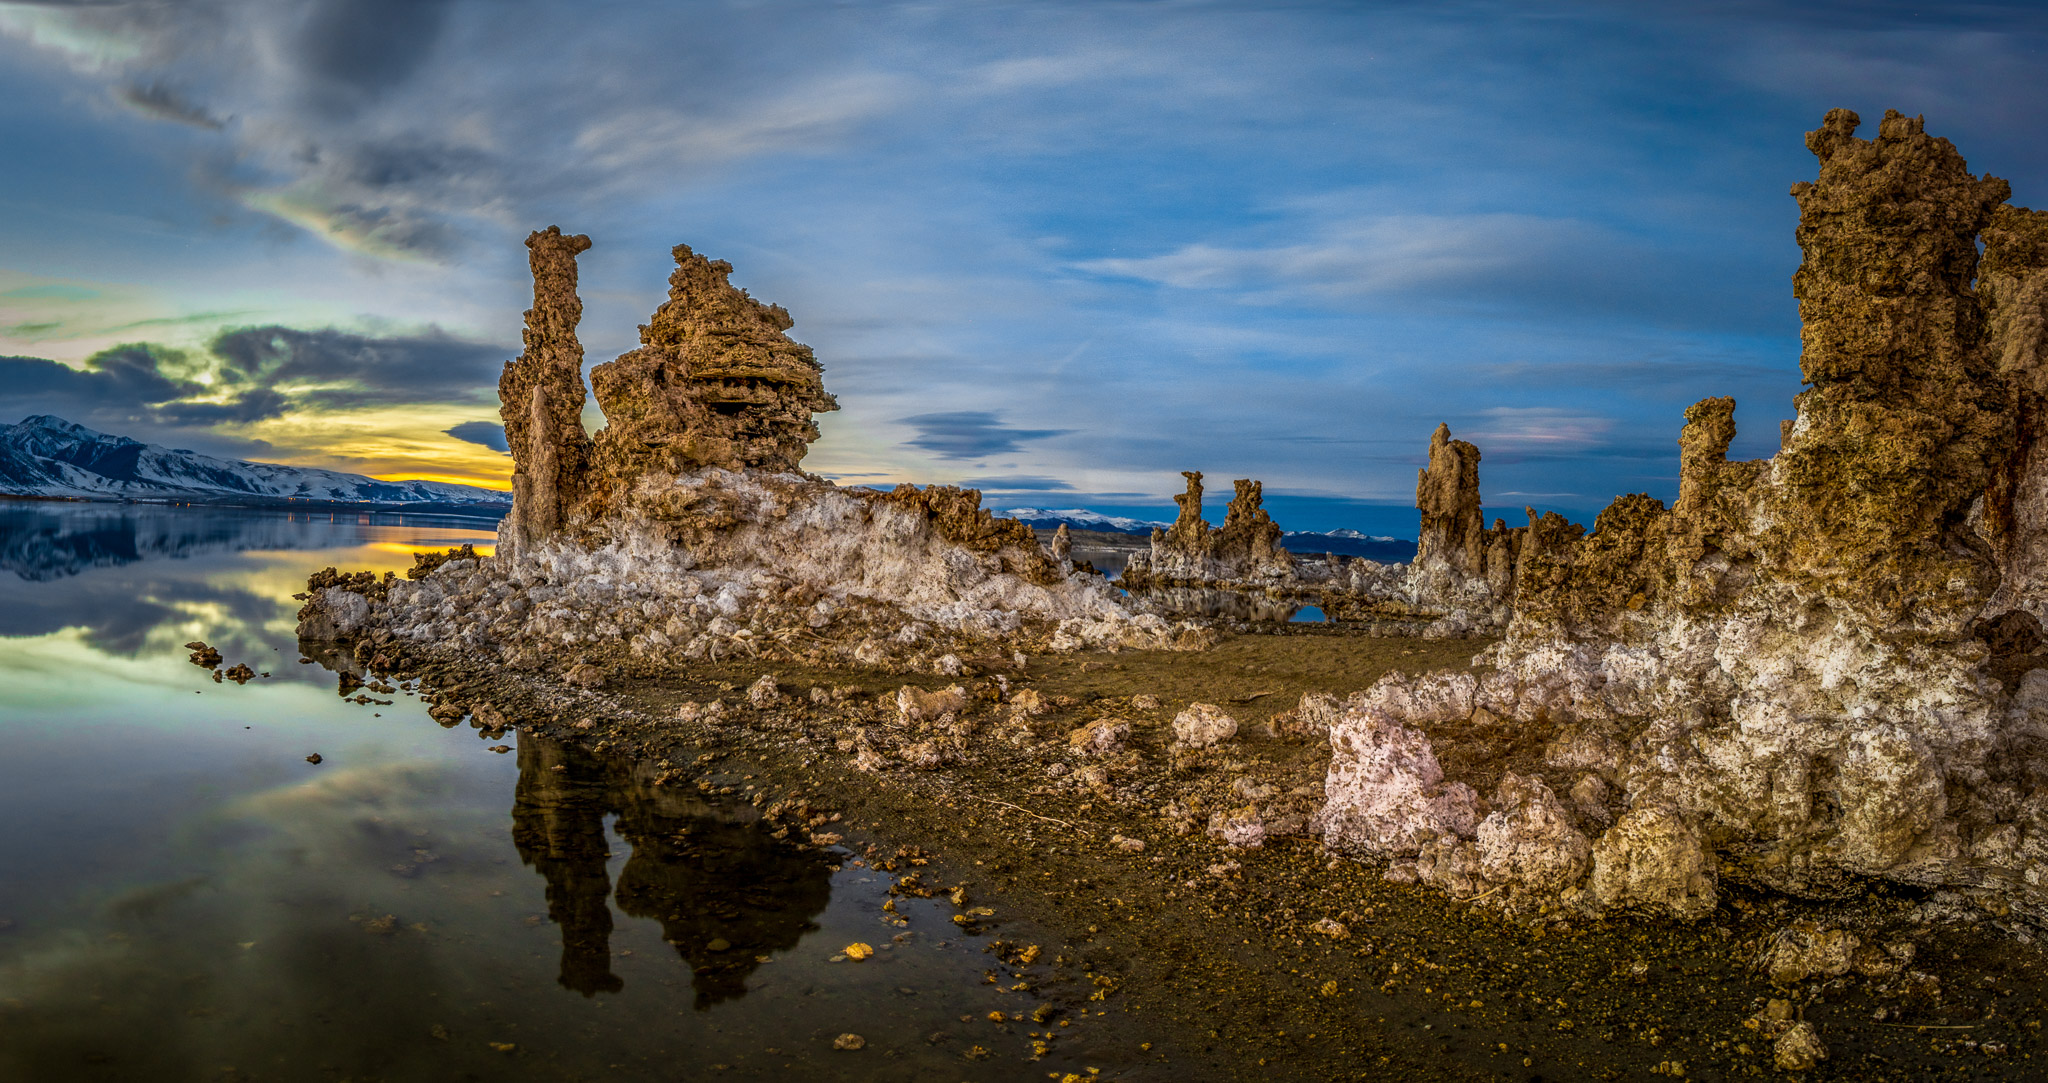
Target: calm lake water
184,896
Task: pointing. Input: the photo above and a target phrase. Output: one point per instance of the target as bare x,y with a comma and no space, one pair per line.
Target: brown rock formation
1447,494
541,397
686,531
715,382
2013,288
1191,553
1899,433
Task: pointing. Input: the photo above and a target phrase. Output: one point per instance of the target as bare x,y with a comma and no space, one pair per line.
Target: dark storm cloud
160,101
251,374
357,50
970,434
481,432
125,376
329,369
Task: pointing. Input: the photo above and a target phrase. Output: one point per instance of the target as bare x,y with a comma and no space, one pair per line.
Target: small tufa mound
1203,725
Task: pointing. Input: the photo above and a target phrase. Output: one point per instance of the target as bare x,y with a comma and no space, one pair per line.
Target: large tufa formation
715,383
541,397
1824,665
686,531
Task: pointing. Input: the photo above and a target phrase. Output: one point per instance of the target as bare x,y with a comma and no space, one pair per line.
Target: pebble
849,1042
314,759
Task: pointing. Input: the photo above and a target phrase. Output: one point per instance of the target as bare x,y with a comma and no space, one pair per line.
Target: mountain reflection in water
44,541
724,892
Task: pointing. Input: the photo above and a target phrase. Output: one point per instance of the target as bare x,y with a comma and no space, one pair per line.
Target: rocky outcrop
686,530
1244,550
715,383
1447,495
540,397
1462,580
1808,669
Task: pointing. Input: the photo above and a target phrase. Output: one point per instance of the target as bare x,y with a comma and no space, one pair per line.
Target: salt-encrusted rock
764,693
1652,860
1311,718
1202,725
334,613
1528,839
685,531
1100,737
1245,548
1818,663
1386,792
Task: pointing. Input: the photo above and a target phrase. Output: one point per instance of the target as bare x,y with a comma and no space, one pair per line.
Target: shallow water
184,896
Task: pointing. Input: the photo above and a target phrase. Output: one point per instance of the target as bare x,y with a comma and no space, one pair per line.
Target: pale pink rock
1202,725
1385,792
1529,839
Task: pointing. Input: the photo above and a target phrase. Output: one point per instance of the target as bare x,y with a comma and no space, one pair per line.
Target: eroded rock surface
1810,668
686,529
715,383
540,398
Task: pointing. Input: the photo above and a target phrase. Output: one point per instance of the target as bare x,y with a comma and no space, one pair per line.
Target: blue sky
1061,251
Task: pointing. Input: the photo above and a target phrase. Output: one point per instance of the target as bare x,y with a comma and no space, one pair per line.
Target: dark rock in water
203,656
314,759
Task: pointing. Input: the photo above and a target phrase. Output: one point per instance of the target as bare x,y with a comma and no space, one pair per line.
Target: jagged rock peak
1447,494
1190,551
541,396
1189,528
1895,343
714,383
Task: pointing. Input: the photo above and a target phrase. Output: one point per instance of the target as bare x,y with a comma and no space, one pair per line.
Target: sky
1057,251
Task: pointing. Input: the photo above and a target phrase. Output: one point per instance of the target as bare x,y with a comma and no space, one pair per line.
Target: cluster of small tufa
1460,584
1246,548
1823,665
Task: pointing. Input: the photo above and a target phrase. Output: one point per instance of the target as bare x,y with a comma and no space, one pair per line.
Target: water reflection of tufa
723,890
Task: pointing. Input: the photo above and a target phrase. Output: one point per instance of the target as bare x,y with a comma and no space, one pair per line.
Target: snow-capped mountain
1345,532
49,456
1082,519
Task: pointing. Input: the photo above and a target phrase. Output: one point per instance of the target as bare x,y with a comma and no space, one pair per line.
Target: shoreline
1224,957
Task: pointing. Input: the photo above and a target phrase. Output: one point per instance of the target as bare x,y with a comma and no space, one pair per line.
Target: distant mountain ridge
46,455
1343,541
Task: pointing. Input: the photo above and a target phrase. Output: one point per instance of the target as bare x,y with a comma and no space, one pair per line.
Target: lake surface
184,896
